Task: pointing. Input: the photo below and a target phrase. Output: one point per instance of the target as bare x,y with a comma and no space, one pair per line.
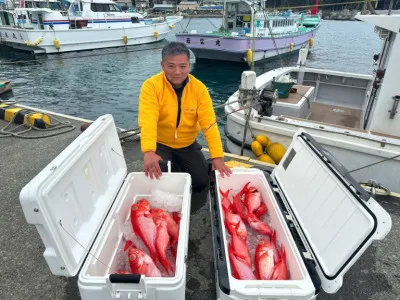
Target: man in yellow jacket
173,107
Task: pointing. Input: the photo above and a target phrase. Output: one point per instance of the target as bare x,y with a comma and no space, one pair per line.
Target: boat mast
224,21
253,30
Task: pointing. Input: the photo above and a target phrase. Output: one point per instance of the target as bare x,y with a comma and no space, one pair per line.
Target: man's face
176,68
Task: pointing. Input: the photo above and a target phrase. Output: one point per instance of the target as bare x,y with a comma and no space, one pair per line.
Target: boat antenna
390,7
253,47
224,25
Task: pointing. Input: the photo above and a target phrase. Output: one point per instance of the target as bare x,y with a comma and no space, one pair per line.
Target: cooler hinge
295,231
302,246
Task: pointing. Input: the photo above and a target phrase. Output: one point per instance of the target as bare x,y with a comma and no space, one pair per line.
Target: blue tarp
208,7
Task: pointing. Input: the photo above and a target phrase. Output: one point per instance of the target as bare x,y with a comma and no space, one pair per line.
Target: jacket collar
185,82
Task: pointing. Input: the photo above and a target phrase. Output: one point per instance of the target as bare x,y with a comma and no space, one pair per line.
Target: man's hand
151,164
219,165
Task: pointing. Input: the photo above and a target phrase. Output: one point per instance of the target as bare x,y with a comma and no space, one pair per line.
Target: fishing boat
354,116
250,33
41,26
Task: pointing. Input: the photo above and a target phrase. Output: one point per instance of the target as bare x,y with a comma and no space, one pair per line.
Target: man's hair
175,48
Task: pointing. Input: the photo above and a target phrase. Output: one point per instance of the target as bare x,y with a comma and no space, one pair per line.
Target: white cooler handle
126,290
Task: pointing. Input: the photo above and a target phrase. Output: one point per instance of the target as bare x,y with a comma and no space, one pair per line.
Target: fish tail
167,265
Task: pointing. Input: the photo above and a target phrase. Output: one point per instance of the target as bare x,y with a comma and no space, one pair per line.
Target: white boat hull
352,149
82,39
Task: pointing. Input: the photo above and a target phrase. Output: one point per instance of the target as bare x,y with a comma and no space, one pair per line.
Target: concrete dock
24,273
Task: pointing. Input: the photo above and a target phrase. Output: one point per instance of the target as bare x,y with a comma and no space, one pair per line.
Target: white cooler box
322,217
80,203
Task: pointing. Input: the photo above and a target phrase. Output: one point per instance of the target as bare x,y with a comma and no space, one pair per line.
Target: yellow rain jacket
158,111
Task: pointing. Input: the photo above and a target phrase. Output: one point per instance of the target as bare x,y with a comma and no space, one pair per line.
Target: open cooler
79,204
322,217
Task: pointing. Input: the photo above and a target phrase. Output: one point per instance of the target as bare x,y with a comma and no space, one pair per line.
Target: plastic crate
283,88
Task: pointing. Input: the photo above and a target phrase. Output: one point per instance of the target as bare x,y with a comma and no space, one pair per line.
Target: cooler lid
70,198
338,220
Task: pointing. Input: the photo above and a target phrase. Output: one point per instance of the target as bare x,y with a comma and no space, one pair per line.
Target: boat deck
337,115
323,112
25,274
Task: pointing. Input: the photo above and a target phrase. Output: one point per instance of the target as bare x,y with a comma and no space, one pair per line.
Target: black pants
188,160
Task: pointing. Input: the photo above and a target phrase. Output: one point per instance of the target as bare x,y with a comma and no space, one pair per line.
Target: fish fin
273,237
226,193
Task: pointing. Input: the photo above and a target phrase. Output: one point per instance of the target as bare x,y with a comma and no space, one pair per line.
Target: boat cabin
50,14
238,20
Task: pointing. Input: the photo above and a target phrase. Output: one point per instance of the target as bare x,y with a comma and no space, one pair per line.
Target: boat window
98,7
55,5
2,19
75,7
93,7
29,4
113,7
7,19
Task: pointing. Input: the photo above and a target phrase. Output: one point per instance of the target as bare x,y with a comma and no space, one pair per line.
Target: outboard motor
268,96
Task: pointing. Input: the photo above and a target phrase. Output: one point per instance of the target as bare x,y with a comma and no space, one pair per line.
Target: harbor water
92,83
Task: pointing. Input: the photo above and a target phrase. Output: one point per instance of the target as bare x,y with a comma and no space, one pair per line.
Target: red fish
281,271
264,260
239,248
174,250
141,263
258,225
261,210
225,202
162,244
144,228
234,223
144,203
277,255
138,210
238,206
251,189
176,217
128,244
173,228
240,269
252,201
